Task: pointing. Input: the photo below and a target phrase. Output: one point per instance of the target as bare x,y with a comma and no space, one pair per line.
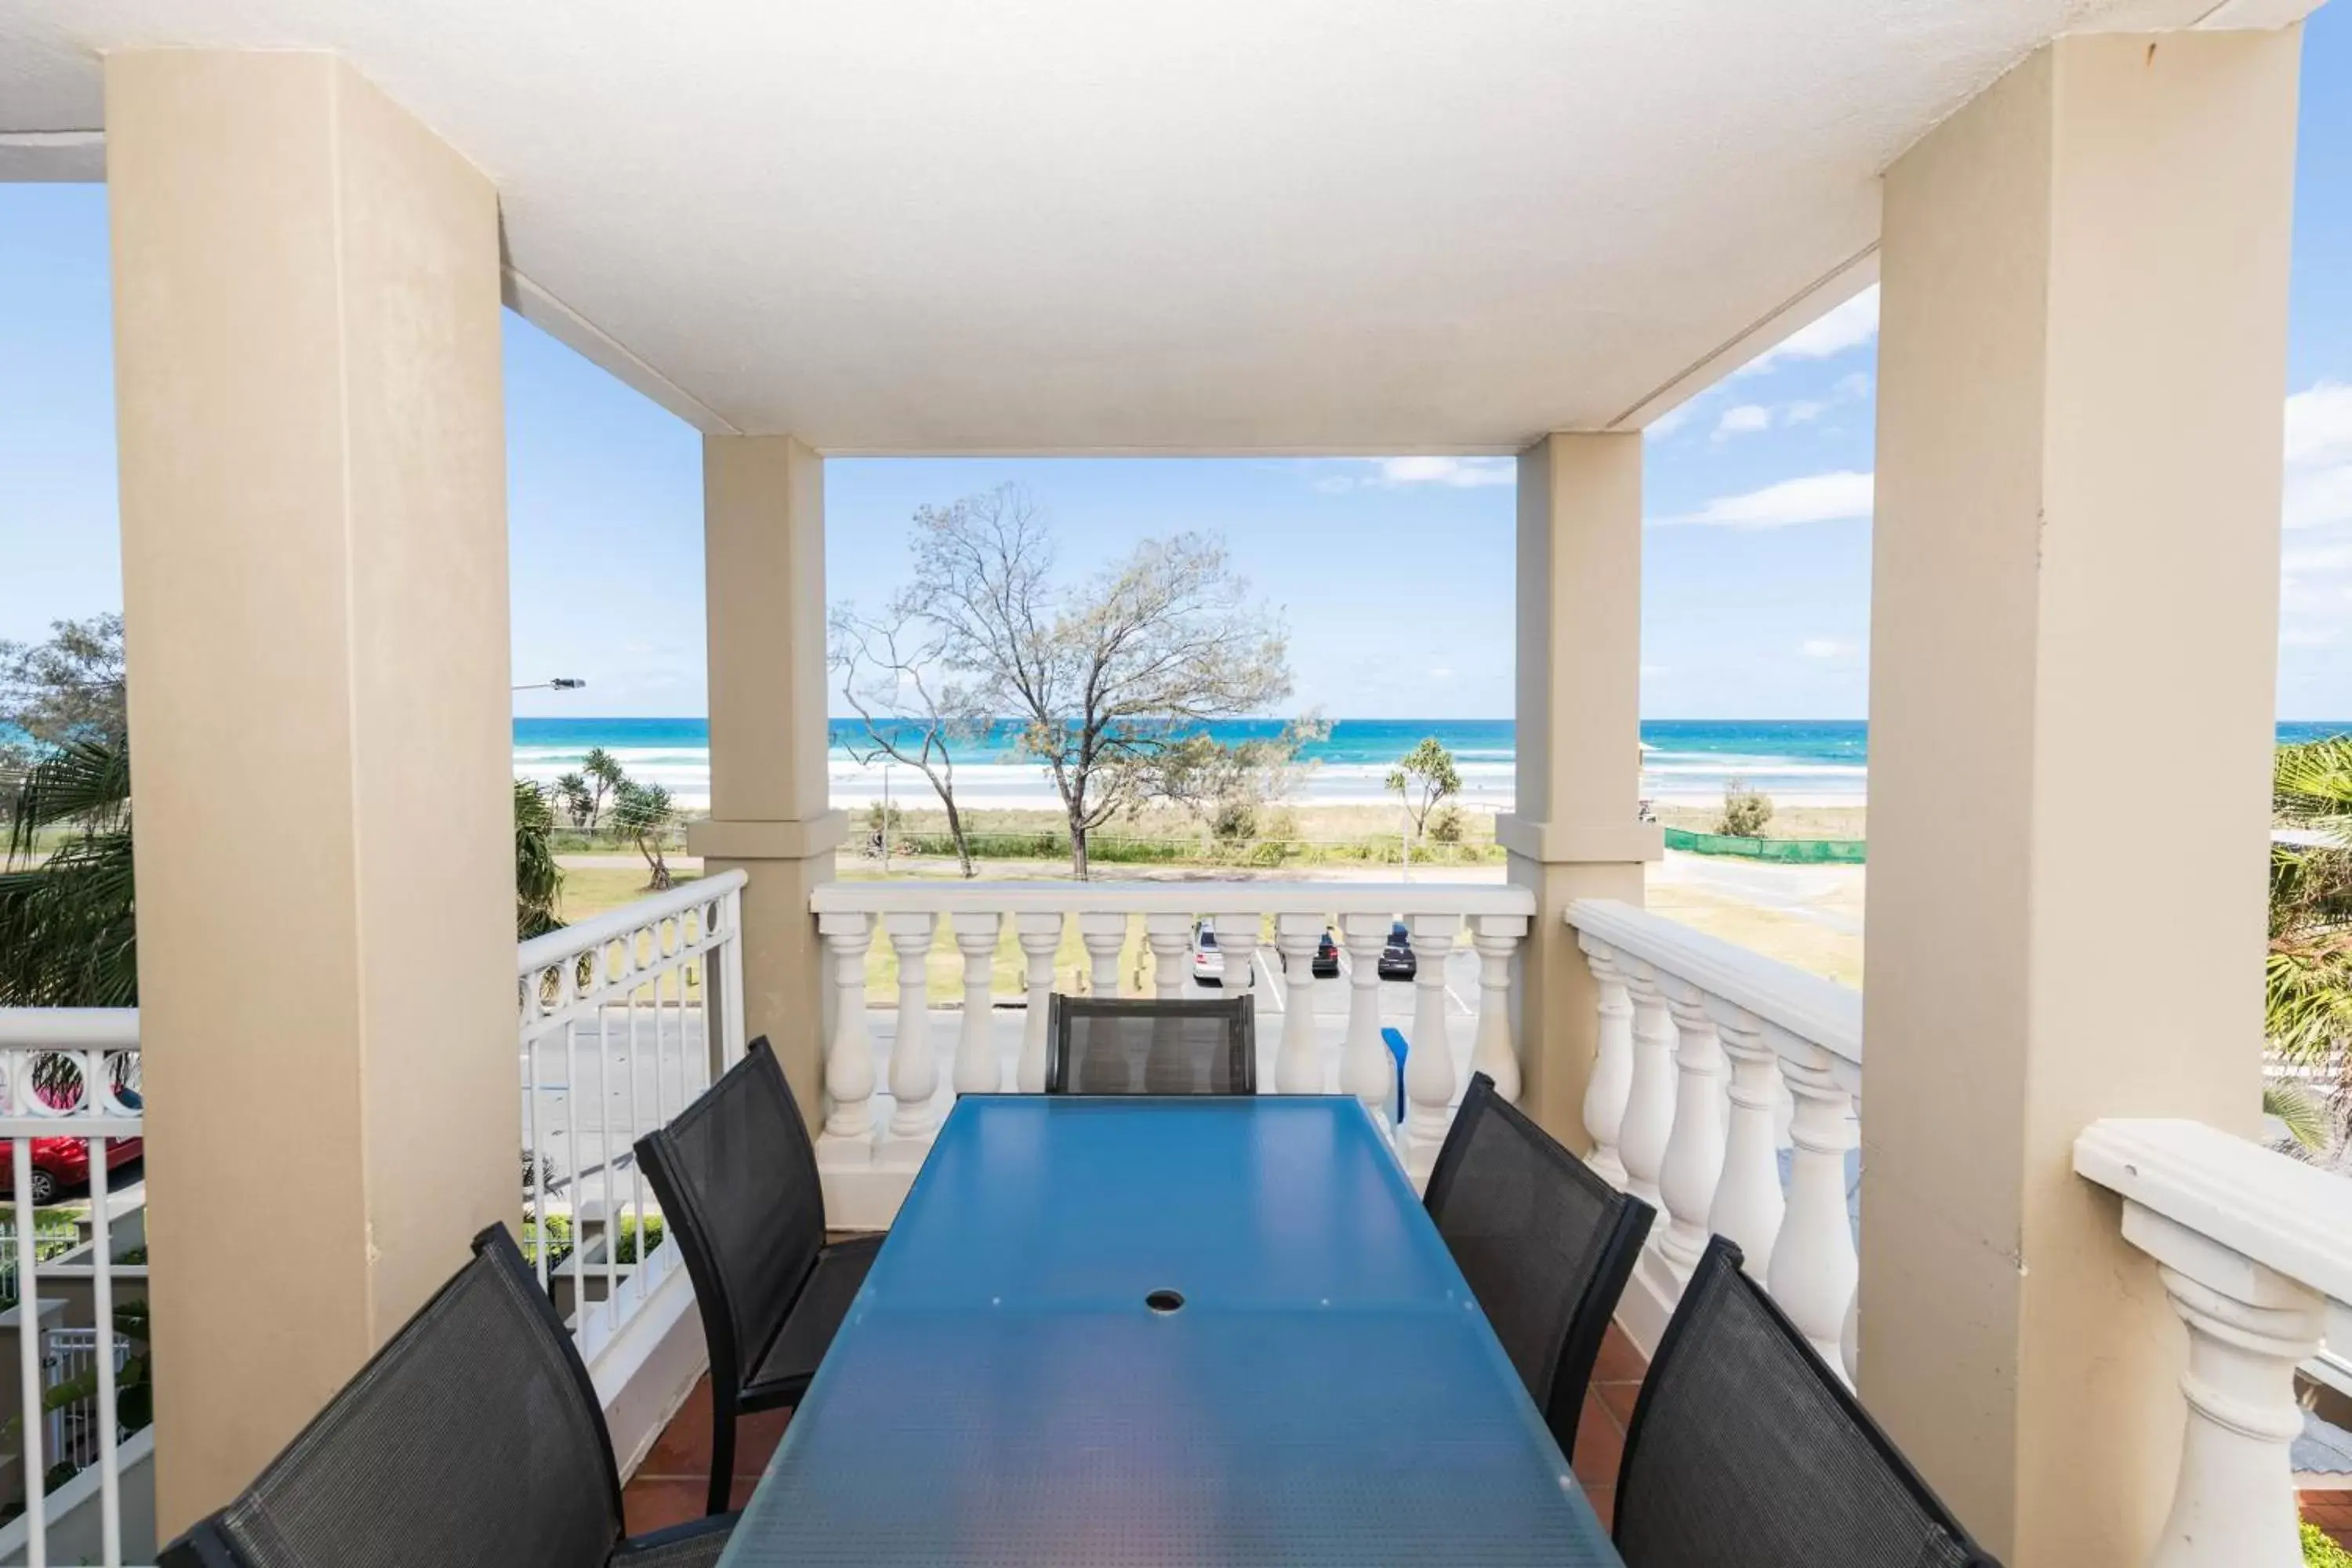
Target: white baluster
1104,935
1606,1090
914,1071
2249,1327
1170,937
1748,1201
1365,1068
977,1071
1813,1266
1650,1098
1694,1161
848,1135
1237,938
1497,937
1040,934
1298,1069
1429,1078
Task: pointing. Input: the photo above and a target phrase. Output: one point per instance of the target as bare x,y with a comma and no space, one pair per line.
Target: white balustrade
1712,1045
977,1071
1610,1085
867,1159
1168,934
69,1073
623,1020
1430,1088
2254,1250
1299,1066
1365,1068
914,1070
848,1135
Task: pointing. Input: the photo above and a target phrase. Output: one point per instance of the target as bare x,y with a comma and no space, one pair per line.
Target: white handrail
1821,1011
1234,897
2256,1251
1711,1058
868,1158
96,1043
651,994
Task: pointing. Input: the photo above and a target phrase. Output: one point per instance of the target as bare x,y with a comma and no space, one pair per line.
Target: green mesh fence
1801,851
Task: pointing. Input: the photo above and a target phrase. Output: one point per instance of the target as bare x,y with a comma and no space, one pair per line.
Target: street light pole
560,683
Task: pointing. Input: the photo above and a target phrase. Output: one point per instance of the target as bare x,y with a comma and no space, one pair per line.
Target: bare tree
1105,679
894,677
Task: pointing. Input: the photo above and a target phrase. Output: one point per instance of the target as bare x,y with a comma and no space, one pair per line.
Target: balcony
2037,1235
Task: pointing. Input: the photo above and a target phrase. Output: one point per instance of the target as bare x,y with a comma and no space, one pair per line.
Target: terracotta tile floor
668,1488
2332,1512
671,1485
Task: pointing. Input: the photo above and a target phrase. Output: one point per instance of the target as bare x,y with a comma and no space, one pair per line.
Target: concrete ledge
716,840
1565,843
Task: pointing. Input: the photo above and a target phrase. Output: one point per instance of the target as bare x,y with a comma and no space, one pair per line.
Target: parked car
62,1163
1397,961
1327,956
1208,963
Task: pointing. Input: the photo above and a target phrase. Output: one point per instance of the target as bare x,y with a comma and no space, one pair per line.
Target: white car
1208,963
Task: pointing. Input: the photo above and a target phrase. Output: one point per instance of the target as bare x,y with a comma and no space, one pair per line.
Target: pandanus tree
2307,978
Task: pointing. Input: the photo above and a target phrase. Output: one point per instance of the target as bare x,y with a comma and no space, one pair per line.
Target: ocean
1796,762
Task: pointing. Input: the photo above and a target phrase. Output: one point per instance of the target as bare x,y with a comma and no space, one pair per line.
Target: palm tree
67,938
604,777
538,881
2308,977
579,803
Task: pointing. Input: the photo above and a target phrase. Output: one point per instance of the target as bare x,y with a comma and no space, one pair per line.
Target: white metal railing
2256,1251
857,1138
68,1358
70,1073
624,1019
1712,1058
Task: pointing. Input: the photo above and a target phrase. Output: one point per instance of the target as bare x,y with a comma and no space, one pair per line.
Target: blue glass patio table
1005,1391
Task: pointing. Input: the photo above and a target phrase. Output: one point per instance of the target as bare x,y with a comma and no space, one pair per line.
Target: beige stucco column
2075,626
314,563
1574,834
763,546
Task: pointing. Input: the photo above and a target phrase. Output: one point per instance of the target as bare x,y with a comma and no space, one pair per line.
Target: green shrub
1446,827
1744,811
2320,1551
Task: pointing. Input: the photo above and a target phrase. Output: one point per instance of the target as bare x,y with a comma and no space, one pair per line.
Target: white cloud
1743,420
1462,473
2309,637
1848,326
1669,422
1816,498
2319,457
2321,559
1440,673
1802,412
1856,385
1826,647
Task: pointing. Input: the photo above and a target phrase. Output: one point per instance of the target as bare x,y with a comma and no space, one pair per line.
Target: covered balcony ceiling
1071,224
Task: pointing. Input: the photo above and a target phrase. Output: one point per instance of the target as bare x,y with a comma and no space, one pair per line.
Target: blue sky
1395,577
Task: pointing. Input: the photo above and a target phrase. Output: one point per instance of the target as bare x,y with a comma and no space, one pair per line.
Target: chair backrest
474,1435
1745,1449
736,1174
1545,1244
1102,1045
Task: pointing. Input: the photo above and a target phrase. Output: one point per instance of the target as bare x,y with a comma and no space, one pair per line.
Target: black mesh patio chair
1103,1044
736,1174
1746,1449
1545,1244
474,1435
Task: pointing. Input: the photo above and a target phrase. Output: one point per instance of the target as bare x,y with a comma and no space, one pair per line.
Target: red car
60,1164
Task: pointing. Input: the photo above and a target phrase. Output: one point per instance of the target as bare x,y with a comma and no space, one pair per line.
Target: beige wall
2075,629
315,589
1579,689
763,549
